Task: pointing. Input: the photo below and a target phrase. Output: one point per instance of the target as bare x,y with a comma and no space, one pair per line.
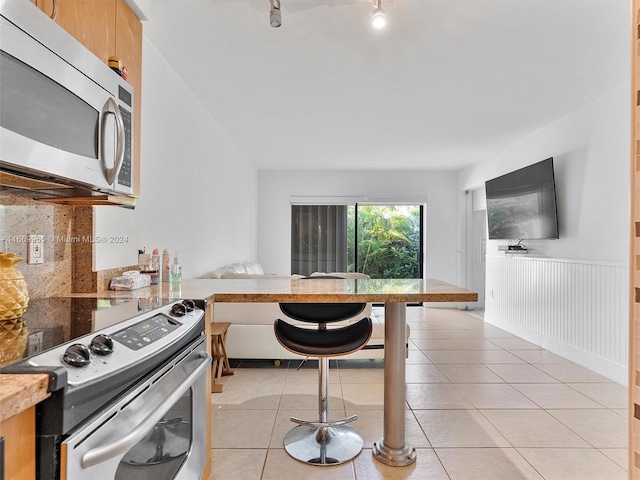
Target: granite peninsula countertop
302,290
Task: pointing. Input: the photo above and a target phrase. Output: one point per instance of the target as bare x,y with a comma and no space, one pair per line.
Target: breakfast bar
392,448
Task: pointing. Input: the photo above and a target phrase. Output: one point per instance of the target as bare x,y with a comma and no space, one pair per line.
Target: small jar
115,65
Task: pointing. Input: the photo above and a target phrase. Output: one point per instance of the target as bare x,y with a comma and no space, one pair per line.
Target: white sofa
251,336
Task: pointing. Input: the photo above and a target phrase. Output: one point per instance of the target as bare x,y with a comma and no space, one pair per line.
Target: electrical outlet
34,343
35,250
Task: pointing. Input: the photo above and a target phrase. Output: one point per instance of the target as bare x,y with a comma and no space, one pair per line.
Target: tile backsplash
68,251
20,216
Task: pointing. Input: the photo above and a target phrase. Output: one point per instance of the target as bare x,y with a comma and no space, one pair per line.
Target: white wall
274,211
591,151
198,190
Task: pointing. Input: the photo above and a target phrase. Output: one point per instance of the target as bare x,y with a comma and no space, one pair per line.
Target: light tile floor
482,404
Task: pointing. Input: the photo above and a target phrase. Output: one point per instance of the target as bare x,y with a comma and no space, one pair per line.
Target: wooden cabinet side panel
20,445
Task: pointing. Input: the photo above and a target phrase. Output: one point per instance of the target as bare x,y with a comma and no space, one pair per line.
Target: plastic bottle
176,270
156,266
166,266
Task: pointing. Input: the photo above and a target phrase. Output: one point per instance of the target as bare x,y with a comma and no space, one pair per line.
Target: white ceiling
445,84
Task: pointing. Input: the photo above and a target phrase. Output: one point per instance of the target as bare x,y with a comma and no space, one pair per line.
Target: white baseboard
613,371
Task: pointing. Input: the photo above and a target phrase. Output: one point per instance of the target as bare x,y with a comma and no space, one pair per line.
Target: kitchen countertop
270,290
338,290
19,392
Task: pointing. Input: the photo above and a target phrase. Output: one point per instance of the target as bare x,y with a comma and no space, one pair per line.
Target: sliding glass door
383,241
387,240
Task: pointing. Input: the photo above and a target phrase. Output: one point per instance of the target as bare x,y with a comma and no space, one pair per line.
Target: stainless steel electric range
128,388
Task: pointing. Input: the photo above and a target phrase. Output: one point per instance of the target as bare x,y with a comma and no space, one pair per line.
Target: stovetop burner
49,322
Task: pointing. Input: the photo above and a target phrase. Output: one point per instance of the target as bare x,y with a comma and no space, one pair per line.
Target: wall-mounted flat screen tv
522,204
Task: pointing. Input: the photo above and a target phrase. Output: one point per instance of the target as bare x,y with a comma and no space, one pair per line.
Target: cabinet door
128,46
19,434
91,22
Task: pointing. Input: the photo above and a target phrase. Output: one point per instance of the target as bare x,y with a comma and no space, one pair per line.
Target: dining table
392,448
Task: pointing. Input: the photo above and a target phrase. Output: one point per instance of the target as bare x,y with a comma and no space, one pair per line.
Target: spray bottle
176,271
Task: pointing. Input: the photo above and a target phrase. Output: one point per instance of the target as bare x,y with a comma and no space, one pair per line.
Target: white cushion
228,274
253,267
237,268
247,267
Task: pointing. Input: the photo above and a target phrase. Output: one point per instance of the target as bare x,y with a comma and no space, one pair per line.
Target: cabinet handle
54,11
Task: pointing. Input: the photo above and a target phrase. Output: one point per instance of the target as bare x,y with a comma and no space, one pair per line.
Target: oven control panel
111,349
146,332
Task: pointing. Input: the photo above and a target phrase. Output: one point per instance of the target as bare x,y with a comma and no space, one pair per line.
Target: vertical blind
318,238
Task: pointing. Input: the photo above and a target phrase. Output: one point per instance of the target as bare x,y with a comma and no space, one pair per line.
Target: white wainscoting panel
575,308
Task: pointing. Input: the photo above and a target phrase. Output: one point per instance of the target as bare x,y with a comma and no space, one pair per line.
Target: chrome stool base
323,446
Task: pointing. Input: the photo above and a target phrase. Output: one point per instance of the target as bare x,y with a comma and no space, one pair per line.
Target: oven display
146,332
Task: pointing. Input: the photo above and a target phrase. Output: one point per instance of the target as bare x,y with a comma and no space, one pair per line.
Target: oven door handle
106,452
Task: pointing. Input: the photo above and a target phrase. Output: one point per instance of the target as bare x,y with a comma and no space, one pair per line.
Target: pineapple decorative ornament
14,336
14,299
14,296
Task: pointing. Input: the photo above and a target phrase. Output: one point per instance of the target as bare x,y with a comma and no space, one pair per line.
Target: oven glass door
154,432
163,451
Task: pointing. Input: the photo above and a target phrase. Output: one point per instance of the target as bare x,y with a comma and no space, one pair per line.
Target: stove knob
178,310
102,344
77,355
190,304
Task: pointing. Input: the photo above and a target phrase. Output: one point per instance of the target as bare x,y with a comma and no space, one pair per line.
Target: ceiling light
275,17
379,19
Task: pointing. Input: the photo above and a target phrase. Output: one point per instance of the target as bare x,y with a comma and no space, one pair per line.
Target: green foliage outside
388,241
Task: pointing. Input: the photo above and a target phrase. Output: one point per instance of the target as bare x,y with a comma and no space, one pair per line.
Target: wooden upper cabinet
91,22
107,28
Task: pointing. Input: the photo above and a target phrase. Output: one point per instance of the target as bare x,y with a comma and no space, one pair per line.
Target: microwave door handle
123,444
111,108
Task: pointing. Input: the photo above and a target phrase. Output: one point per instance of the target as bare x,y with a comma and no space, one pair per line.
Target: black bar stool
323,442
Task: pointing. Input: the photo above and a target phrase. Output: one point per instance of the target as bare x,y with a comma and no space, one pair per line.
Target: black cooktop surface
49,322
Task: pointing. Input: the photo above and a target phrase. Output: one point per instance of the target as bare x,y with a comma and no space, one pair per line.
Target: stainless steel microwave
65,116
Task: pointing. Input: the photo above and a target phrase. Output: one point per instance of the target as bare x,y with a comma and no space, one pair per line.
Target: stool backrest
321,312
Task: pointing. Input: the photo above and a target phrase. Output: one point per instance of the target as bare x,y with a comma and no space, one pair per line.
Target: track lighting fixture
275,17
379,19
